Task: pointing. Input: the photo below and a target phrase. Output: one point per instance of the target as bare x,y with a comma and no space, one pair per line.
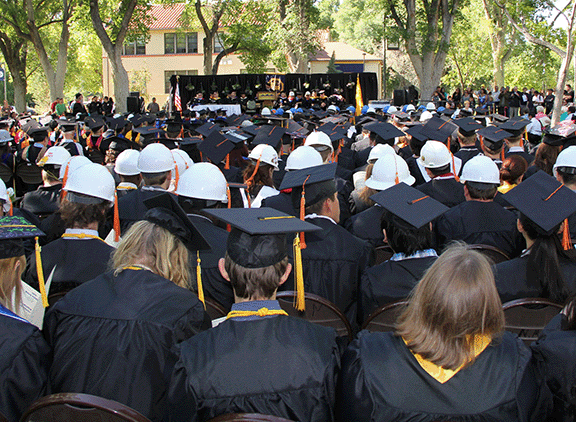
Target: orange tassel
566,240
448,142
201,159
396,179
454,169
292,149
11,213
339,150
250,180
227,165
522,139
116,219
177,178
64,180
229,195
502,154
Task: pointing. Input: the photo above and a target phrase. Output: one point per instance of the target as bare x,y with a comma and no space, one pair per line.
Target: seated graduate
555,352
547,267
89,195
259,360
24,354
406,224
449,357
114,336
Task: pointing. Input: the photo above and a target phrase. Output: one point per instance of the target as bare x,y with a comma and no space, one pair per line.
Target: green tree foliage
360,23
332,64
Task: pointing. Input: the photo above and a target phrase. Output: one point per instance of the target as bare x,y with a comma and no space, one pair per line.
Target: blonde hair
455,301
155,247
10,281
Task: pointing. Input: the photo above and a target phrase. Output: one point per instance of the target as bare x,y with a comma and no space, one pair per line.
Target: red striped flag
177,99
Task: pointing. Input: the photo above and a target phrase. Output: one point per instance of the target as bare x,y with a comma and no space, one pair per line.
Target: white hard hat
385,171
185,156
430,107
266,154
332,108
480,169
566,158
435,154
266,112
92,180
303,157
392,109
72,164
4,196
410,107
180,164
127,163
379,150
371,110
55,156
203,181
318,138
425,116
155,158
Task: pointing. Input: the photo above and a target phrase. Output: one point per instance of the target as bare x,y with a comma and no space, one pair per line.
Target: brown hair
10,281
546,156
155,247
455,301
261,178
513,168
76,215
255,283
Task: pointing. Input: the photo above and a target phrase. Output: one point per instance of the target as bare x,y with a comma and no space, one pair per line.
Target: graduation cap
438,129
337,135
174,126
191,140
216,147
207,128
67,125
316,182
148,131
386,131
271,135
39,133
514,127
94,123
149,118
498,118
117,123
30,125
236,136
121,144
467,126
258,239
545,202
326,127
559,134
493,137
482,111
447,112
416,133
137,120
410,205
402,116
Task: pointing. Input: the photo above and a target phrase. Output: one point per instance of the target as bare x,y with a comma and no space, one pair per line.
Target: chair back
494,254
6,174
30,174
382,254
384,318
79,408
527,317
214,309
247,417
318,310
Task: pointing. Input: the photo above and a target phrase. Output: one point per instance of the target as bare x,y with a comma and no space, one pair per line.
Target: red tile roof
166,17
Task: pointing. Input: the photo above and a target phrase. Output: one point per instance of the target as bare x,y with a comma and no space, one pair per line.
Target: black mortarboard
67,125
191,140
236,136
514,127
216,147
148,131
326,127
258,236
386,131
173,126
402,116
498,118
447,112
416,133
207,128
318,181
438,129
94,123
493,137
39,133
251,129
467,126
409,204
164,211
270,135
117,123
543,200
558,135
120,144
13,232
293,126
482,111
149,118
337,135
137,120
235,120
30,125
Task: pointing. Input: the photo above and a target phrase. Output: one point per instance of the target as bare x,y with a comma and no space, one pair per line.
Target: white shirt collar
314,215
81,231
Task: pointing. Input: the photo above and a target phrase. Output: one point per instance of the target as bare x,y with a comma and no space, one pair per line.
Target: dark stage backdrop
344,83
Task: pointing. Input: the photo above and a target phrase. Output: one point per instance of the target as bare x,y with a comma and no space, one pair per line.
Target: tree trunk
121,80
208,51
20,88
14,50
561,82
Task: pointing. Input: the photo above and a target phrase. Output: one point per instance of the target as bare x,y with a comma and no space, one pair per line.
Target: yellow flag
359,102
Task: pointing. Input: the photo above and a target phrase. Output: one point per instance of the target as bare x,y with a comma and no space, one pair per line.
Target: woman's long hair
546,156
262,177
10,284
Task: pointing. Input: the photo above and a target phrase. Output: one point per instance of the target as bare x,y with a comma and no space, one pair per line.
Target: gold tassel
502,154
40,273
116,219
299,275
199,279
566,240
396,179
301,240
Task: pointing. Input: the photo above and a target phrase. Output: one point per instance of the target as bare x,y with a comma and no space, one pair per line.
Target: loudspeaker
399,97
132,105
134,93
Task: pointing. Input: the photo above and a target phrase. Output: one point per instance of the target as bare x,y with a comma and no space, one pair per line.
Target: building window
181,43
133,48
218,45
169,73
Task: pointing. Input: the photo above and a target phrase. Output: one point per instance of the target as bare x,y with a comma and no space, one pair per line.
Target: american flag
177,99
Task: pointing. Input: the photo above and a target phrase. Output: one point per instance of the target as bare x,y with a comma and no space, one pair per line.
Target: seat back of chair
6,174
527,317
318,310
214,309
382,253
30,174
494,254
384,318
247,417
79,408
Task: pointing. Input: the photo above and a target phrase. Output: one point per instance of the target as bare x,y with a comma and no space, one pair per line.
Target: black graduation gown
388,282
333,262
415,172
114,337
131,206
281,202
512,281
280,366
344,188
76,260
215,286
528,157
486,223
42,201
366,225
24,363
73,148
347,159
466,153
447,191
362,157
555,353
381,380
